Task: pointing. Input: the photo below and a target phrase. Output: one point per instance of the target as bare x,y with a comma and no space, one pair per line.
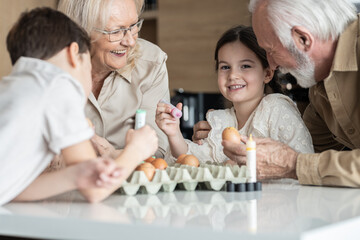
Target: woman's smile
118,53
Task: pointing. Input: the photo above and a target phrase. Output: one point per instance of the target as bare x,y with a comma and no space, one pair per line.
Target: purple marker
175,112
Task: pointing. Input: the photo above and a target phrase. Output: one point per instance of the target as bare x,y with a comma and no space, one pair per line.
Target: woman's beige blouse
113,113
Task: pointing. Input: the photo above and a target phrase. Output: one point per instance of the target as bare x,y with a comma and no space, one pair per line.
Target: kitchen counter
282,210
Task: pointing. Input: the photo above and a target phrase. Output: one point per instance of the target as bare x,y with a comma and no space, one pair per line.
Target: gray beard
305,72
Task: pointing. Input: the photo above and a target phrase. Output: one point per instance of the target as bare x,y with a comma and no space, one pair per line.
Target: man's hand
273,159
201,131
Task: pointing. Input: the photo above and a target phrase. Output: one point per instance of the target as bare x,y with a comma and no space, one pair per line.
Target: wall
9,13
188,31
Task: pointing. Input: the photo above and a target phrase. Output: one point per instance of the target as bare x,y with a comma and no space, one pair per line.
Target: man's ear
73,54
269,74
303,39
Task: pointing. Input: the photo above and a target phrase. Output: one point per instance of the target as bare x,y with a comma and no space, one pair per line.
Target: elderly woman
128,73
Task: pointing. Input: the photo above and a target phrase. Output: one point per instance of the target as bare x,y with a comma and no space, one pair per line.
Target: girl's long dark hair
246,35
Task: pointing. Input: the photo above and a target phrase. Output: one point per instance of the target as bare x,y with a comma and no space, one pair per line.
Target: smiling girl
243,74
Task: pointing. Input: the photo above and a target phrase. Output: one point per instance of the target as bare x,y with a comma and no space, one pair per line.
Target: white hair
91,14
325,19
87,13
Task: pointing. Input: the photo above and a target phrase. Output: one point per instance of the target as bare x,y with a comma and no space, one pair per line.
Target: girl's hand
201,131
143,141
165,121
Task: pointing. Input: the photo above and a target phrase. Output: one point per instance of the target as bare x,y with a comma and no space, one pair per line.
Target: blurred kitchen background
187,31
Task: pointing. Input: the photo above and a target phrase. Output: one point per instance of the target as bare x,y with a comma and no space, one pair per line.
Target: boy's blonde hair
92,14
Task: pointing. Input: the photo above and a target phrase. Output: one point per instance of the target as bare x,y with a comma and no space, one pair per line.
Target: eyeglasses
118,34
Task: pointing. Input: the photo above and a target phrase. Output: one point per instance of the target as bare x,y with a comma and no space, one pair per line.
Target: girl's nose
234,74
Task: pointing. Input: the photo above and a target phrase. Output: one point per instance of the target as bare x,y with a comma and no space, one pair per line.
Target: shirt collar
346,54
126,75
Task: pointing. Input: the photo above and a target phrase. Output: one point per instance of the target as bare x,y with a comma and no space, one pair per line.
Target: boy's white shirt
41,112
276,117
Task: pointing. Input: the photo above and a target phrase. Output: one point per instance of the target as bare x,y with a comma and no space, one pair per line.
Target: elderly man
317,42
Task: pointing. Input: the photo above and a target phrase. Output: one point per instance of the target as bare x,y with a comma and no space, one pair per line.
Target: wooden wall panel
9,13
188,31
149,30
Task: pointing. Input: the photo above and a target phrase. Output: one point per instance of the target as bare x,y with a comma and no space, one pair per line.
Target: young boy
42,114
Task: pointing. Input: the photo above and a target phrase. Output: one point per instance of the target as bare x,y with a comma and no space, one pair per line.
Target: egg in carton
206,176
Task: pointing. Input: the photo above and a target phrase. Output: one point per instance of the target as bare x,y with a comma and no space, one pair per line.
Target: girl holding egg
243,76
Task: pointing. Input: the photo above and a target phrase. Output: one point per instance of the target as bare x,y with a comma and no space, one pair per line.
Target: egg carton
184,177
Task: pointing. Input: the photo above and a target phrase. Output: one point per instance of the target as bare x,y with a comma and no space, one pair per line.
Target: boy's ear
303,39
73,54
269,74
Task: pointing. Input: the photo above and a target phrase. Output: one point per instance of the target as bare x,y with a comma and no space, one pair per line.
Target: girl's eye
224,67
245,66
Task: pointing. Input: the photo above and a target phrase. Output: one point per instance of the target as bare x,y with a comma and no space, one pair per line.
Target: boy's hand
99,172
143,141
165,121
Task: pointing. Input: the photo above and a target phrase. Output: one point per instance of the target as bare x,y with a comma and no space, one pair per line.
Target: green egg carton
206,176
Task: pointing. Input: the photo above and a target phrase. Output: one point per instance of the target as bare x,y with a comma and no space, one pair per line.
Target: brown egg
159,163
191,160
148,169
150,159
231,134
181,158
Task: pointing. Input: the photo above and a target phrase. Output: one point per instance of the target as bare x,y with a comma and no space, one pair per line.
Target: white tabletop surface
282,210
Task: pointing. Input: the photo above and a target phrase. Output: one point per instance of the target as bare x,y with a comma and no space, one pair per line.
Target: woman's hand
165,121
103,147
56,164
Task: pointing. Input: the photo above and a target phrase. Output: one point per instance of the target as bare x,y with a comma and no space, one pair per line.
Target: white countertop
282,210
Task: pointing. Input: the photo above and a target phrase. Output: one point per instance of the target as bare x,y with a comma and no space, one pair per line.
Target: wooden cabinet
149,30
187,31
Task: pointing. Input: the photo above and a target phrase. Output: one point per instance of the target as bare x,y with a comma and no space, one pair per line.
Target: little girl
243,72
